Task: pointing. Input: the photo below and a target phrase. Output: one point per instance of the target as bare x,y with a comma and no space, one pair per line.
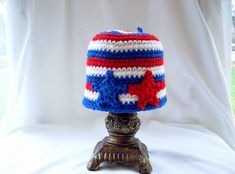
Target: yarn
114,63
125,55
139,29
133,80
125,72
109,89
124,108
123,37
146,90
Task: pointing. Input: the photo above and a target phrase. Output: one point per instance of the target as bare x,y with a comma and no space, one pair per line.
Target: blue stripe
125,55
122,108
92,79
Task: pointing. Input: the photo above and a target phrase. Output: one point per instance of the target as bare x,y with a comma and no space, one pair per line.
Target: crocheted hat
125,72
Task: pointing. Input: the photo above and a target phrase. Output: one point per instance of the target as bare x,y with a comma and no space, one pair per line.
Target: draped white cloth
193,133
57,149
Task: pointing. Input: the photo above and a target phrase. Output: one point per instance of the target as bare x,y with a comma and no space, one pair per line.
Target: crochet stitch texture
125,72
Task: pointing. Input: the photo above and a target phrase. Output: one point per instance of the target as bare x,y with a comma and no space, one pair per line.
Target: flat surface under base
173,149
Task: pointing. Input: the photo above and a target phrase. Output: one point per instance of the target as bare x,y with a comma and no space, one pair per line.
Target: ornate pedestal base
121,146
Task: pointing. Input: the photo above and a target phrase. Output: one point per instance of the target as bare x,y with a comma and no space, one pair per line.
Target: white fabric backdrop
48,42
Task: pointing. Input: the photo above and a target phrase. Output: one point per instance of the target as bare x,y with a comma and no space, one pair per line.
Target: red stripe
109,63
124,37
161,85
89,87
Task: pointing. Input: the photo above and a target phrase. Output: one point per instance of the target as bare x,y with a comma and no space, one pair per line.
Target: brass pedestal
121,147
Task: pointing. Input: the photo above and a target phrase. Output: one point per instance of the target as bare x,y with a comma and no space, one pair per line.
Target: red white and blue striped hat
125,72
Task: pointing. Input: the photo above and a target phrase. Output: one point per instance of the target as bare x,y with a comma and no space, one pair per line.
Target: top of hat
119,44
122,35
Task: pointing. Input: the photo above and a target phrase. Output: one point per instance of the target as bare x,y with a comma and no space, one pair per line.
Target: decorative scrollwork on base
119,125
117,157
144,165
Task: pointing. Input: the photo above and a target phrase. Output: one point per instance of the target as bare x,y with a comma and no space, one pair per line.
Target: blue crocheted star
109,90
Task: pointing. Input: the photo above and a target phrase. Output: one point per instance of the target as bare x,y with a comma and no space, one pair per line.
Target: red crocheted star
146,90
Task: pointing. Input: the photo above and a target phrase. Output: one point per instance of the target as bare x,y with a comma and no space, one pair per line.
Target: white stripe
127,98
125,45
124,98
91,95
124,72
161,93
